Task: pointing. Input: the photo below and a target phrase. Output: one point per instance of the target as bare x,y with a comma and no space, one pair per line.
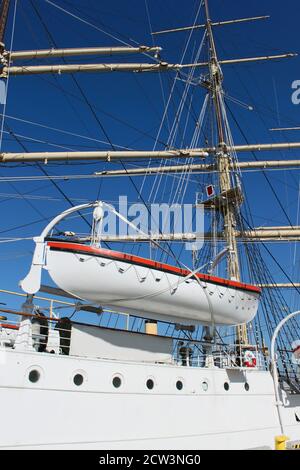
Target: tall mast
224,167
3,20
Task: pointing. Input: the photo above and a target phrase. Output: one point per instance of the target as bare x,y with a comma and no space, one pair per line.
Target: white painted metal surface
89,341
148,292
96,415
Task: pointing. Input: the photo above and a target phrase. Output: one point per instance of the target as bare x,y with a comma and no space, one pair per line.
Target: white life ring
249,359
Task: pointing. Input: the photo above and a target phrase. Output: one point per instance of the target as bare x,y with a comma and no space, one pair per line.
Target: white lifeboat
140,286
147,288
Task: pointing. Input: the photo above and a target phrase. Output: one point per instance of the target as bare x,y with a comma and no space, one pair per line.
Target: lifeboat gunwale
74,247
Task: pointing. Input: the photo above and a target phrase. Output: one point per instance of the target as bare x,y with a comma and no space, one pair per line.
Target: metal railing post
274,367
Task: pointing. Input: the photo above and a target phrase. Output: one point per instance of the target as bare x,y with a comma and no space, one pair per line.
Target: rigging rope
55,129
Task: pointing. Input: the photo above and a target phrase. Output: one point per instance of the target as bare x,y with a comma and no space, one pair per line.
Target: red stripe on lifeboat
78,248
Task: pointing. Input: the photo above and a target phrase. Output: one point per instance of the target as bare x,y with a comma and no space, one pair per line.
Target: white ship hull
148,289
56,414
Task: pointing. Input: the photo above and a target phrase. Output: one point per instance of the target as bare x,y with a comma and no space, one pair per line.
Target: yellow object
151,327
280,442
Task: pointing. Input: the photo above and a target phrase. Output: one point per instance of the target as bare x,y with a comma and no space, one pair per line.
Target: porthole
226,386
117,382
204,386
247,387
78,379
150,384
179,385
34,376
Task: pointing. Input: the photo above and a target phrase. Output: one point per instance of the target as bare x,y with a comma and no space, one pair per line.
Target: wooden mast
217,23
3,20
113,67
255,235
223,166
200,168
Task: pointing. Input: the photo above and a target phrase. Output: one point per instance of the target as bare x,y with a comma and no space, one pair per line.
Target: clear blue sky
130,106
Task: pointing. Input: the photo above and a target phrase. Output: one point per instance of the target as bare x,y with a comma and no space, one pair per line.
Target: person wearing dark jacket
40,331
64,326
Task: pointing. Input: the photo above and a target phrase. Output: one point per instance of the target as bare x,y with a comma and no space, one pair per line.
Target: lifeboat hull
148,289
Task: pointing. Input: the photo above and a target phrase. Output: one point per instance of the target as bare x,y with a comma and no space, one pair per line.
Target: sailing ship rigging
220,293
223,154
